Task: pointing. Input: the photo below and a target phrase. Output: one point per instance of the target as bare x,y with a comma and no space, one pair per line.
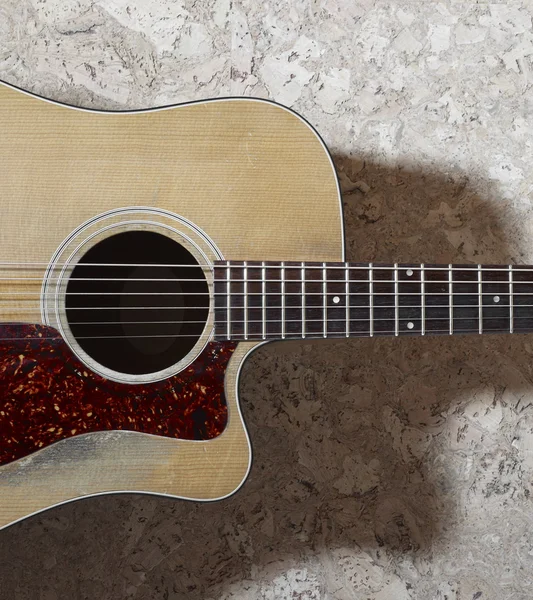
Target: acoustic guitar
144,255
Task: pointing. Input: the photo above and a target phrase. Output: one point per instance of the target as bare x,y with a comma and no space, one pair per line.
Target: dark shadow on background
349,438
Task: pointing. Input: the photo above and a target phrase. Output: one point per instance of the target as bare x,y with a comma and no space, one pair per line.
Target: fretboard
282,300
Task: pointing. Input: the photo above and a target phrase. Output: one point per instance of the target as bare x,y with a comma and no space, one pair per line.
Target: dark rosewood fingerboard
262,301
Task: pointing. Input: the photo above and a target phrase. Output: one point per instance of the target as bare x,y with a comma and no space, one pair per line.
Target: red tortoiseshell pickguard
47,394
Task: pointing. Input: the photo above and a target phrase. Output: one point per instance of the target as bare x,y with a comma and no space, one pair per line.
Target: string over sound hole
137,302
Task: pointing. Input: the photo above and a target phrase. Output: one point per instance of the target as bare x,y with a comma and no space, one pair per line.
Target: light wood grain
250,174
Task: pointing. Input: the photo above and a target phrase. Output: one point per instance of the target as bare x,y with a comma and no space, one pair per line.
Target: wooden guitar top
252,176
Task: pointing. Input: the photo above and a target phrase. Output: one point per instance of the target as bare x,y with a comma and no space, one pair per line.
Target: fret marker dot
496,298
410,325
336,299
409,272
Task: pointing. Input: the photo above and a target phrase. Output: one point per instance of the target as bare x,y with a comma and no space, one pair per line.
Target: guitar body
229,179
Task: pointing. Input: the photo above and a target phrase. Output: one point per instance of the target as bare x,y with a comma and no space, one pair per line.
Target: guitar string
40,280
288,307
308,320
234,321
31,309
223,322
308,282
269,265
37,297
277,265
295,336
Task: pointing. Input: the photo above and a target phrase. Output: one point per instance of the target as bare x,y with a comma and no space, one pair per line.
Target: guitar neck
292,300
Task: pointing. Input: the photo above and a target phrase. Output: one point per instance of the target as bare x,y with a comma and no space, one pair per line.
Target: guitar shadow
364,450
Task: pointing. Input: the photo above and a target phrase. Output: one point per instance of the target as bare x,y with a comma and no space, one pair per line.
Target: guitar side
252,175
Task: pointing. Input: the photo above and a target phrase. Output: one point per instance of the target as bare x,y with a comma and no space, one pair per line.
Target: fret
263,301
325,299
480,291
511,300
304,329
422,301
347,299
396,303
228,279
283,316
450,295
245,286
371,298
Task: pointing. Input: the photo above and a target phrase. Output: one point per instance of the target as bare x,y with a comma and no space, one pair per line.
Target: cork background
390,469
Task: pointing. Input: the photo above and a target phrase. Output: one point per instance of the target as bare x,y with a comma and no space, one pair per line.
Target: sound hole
142,317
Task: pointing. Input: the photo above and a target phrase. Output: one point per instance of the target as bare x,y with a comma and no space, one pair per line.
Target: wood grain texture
252,175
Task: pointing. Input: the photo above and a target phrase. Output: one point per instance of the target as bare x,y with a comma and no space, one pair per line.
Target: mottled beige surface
384,469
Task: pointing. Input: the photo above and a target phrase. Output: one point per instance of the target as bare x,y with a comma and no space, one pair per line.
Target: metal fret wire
423,300
303,301
325,301
263,299
245,302
282,301
371,297
450,291
228,289
396,302
480,292
511,299
347,303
